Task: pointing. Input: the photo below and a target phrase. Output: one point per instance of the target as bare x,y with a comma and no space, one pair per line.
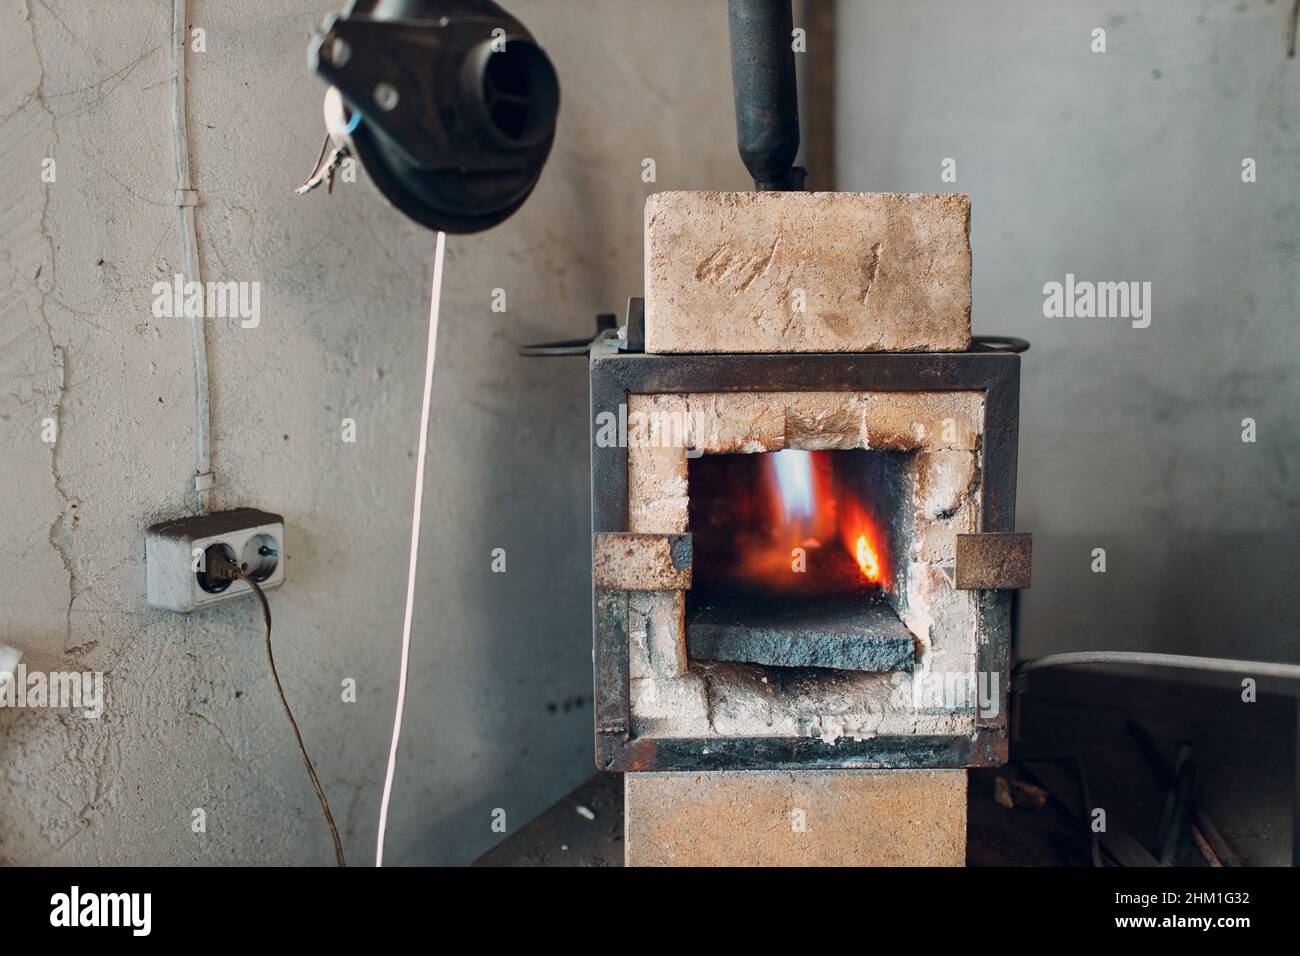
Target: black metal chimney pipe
762,73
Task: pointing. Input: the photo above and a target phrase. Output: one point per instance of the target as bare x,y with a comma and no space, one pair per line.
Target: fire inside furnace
796,556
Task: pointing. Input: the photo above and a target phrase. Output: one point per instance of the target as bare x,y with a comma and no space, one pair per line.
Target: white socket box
174,554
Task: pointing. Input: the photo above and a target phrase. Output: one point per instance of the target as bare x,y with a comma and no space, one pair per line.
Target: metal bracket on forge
627,561
634,328
606,324
994,561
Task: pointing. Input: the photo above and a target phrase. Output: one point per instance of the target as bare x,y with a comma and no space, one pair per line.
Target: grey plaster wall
499,713
1123,165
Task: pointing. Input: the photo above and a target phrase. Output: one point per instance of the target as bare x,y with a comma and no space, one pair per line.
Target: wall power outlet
176,557
9,658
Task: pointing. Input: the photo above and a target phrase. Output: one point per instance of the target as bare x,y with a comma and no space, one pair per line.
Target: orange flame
867,560
807,504
863,538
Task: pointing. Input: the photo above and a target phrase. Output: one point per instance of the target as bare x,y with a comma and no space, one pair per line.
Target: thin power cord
279,689
435,301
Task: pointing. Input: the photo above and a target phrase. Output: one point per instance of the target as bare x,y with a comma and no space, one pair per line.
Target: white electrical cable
435,299
186,200
1225,665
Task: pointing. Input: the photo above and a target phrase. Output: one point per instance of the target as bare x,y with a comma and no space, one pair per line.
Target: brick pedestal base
807,818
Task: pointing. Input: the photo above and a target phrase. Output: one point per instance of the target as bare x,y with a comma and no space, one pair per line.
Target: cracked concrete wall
499,711
1124,165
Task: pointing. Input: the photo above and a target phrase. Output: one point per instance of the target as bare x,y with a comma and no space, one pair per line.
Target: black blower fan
449,105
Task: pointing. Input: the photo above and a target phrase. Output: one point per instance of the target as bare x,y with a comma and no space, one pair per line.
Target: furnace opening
800,559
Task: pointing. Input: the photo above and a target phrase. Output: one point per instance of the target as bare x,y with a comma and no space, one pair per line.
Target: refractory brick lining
673,696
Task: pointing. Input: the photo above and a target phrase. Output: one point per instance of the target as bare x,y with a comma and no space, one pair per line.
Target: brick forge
831,329
937,437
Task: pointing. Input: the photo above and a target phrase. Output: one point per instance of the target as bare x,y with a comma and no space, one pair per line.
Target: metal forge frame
993,559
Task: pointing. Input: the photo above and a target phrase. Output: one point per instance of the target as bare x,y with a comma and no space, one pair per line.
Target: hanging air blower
449,105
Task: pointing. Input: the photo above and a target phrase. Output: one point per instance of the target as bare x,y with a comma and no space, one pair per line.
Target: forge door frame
614,375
